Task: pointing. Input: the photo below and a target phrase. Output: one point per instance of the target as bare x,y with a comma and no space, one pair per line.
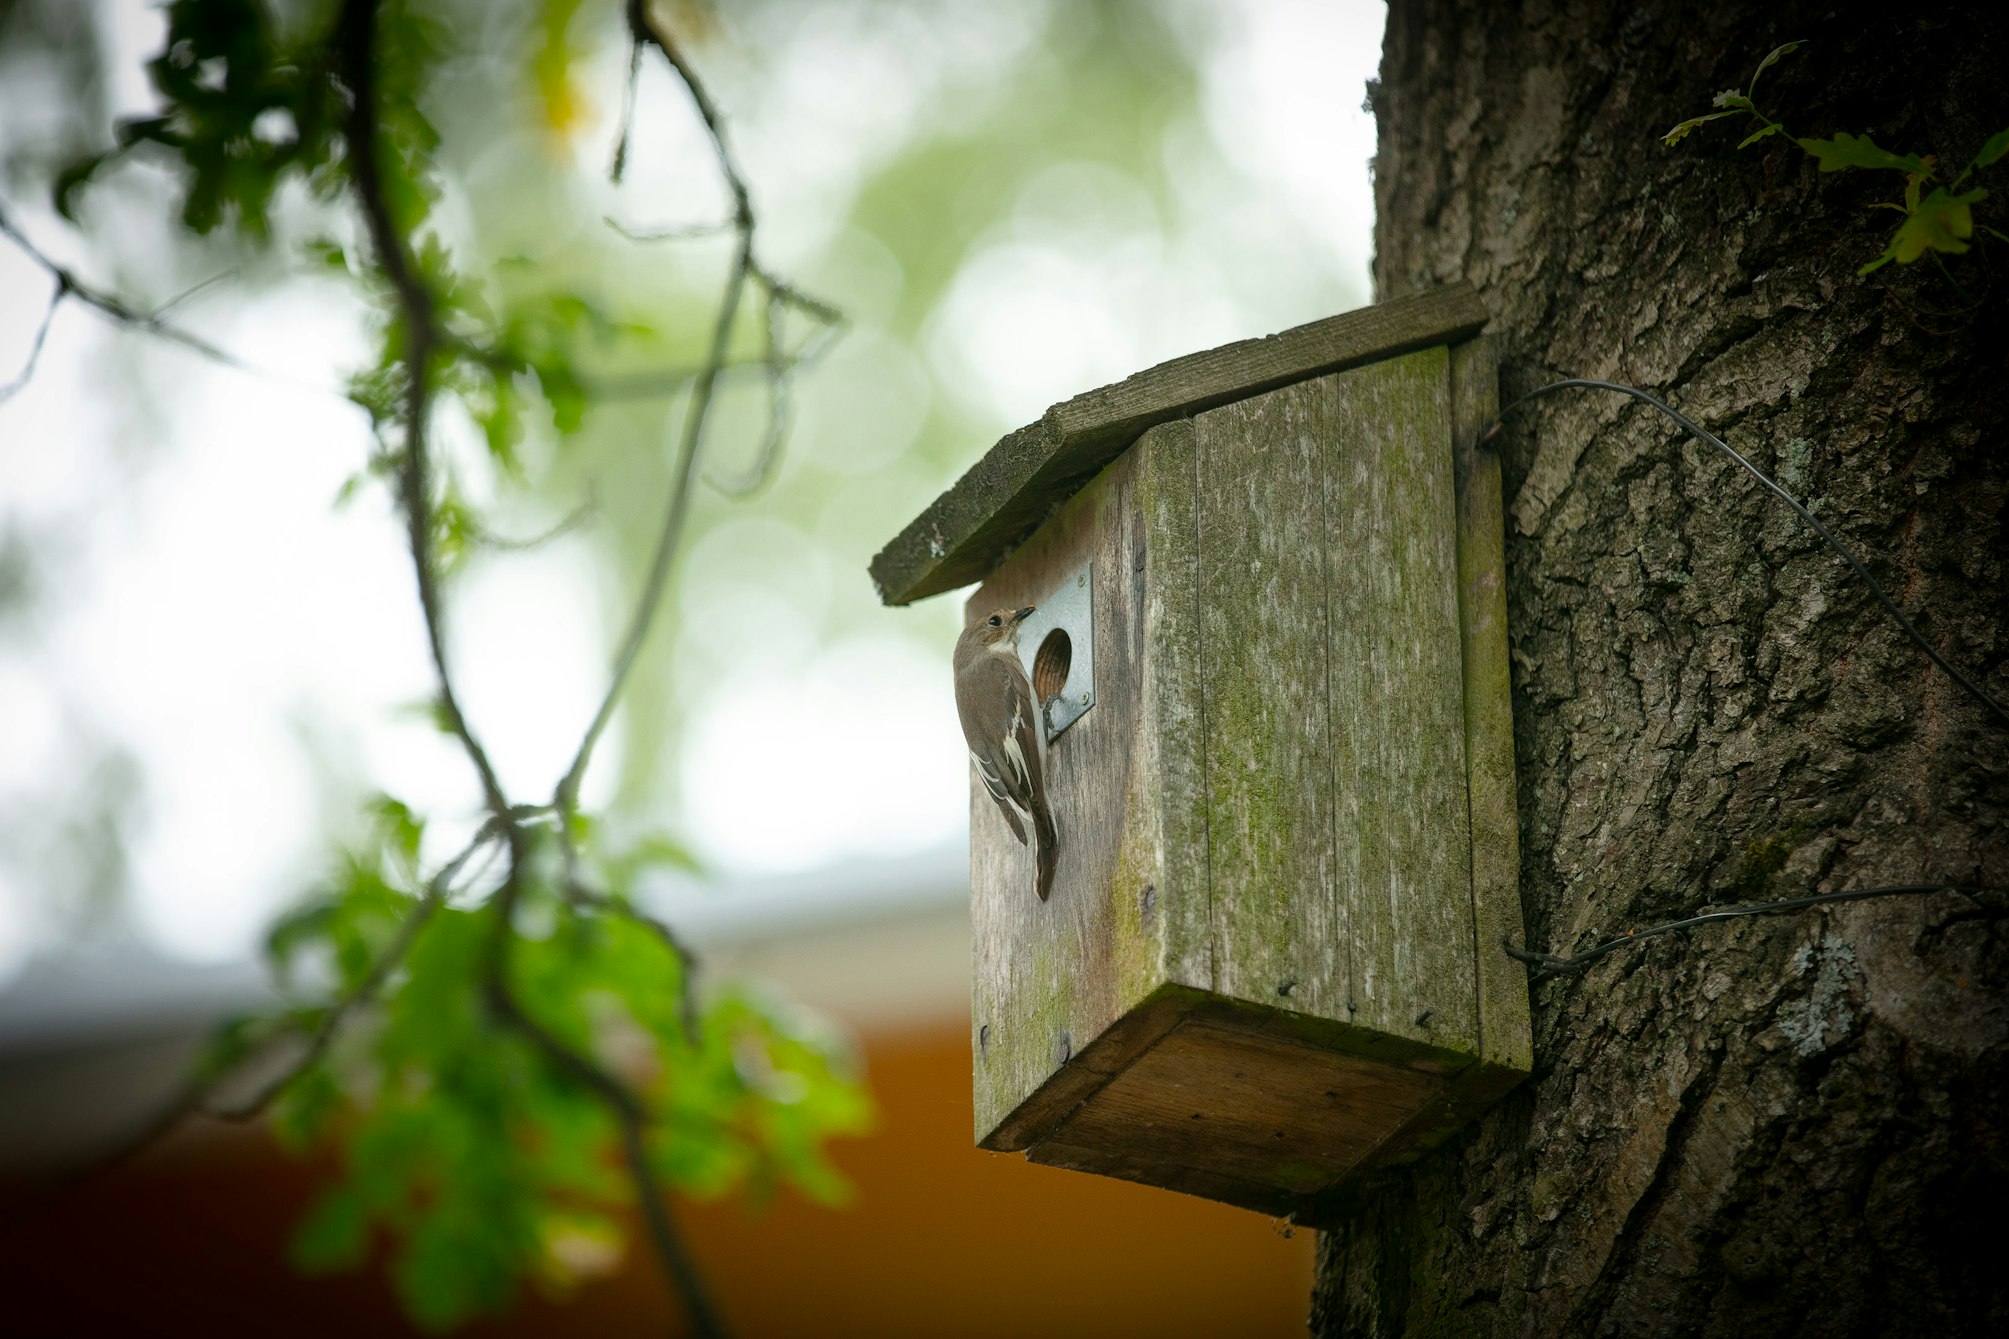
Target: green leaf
565,395
1680,132
1997,145
327,254
1992,151
662,852
72,179
293,932
1760,133
403,829
303,1114
335,1234
1731,98
1846,150
1942,222
1784,49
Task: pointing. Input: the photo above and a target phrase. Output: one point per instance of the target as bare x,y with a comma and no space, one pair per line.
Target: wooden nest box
1272,646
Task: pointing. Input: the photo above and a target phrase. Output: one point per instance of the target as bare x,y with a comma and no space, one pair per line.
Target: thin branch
675,380
644,31
565,525
357,36
1549,964
438,889
192,291
667,1242
689,232
27,373
423,335
620,164
194,1096
664,1236
768,458
580,895
1702,434
68,285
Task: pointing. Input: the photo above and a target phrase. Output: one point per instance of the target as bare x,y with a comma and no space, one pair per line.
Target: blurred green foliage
475,1143
483,1162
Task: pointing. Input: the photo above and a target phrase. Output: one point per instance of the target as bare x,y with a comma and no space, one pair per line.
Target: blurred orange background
941,1238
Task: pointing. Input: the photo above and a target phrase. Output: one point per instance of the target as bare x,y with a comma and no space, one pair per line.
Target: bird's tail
1048,854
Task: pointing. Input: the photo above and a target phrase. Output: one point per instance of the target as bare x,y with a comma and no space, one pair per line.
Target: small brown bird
1007,738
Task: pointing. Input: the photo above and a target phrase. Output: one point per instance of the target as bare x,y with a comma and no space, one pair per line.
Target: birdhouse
1270,647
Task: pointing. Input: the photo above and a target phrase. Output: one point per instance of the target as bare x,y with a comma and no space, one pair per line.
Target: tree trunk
1778,1125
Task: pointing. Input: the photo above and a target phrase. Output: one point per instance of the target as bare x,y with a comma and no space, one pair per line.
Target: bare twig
645,32
191,292
1545,965
620,164
1702,434
357,36
423,336
633,1119
628,1110
689,232
563,526
68,286
577,893
194,1098
27,372
768,458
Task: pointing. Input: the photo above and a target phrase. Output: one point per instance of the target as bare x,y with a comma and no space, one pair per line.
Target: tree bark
1781,1125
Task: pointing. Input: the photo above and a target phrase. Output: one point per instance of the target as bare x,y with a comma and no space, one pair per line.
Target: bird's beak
1023,614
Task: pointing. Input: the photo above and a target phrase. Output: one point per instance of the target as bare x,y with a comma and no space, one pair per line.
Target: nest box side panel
1505,1039
1056,986
1334,707
1280,935
1397,701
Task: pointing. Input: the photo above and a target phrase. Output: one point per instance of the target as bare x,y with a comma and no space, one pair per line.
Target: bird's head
998,626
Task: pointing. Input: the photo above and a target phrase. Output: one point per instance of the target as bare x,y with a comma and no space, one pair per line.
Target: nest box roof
969,530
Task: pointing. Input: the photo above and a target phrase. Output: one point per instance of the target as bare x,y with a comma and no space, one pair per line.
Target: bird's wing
995,785
1006,749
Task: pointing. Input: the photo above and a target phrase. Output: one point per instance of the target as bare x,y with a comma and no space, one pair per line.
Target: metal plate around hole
1071,607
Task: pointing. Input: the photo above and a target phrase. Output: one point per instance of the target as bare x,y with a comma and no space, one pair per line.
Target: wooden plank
1280,936
1052,978
967,531
1222,1098
1143,1168
1505,1037
1397,701
1165,572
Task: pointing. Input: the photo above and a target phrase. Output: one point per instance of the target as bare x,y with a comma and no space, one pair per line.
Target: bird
1005,732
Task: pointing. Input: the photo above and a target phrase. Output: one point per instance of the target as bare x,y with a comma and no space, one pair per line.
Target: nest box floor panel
1219,1098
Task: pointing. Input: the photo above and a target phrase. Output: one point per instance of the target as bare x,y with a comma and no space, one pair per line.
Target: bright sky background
224,639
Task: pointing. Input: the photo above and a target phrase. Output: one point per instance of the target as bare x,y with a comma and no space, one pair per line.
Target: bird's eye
996,622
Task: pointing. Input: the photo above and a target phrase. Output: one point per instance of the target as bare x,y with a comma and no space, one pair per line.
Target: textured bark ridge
1788,1125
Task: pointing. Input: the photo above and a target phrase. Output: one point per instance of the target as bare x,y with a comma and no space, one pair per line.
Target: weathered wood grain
1397,701
1165,571
1280,936
1288,822
1222,1108
966,531
1504,1036
1053,978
